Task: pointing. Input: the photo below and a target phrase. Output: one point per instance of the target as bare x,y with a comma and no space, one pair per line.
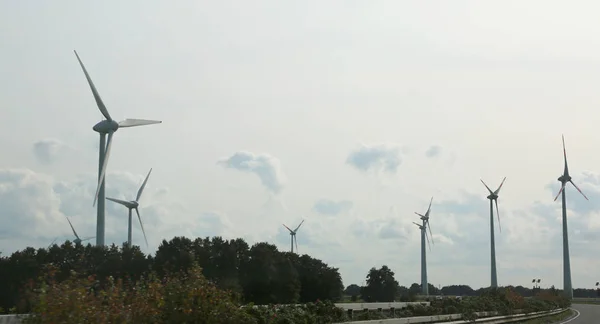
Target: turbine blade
299,226
103,171
99,102
562,187
68,220
420,214
296,240
498,215
486,186
566,171
581,192
88,238
417,224
119,201
141,225
500,187
427,238
429,208
131,122
287,228
430,234
139,194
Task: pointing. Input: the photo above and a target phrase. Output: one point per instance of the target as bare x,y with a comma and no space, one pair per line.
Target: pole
567,287
292,242
493,246
101,196
129,230
424,284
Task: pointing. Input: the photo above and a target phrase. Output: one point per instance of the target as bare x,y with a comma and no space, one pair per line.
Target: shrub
182,298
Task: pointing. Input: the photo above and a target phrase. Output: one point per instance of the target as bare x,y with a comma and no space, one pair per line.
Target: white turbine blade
99,102
430,234
566,171
296,240
141,225
299,226
88,238
427,238
119,201
498,215
486,186
420,214
581,192
139,194
562,187
68,220
500,187
429,208
417,224
130,122
288,228
103,171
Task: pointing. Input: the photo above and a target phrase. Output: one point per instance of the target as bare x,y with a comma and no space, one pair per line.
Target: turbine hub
564,178
492,197
106,126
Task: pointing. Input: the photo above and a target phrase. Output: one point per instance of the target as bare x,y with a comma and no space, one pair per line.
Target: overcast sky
348,114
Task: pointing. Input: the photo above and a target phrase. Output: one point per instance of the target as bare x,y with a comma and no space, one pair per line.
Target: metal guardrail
485,317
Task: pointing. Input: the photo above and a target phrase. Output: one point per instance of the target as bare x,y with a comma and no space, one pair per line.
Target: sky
350,115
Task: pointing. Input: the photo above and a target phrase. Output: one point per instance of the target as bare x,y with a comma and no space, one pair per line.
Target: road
588,314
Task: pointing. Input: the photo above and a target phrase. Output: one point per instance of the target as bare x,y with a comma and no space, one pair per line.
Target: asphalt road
588,314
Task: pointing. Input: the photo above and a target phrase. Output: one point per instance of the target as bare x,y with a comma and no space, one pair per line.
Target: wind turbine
77,239
564,178
293,236
107,126
423,227
133,204
493,197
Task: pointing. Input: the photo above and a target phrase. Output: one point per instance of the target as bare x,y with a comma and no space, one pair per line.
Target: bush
182,298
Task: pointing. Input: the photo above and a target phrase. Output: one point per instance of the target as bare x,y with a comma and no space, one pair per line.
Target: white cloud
265,166
330,207
376,158
48,150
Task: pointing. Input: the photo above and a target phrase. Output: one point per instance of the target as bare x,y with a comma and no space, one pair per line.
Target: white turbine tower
423,227
107,126
77,239
564,178
134,204
293,236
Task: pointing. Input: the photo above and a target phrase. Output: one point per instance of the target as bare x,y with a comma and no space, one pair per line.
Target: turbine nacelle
564,178
492,196
106,126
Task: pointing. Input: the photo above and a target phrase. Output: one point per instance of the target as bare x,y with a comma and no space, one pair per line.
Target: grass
550,319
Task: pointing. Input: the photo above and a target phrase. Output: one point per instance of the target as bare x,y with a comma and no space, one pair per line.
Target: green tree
381,285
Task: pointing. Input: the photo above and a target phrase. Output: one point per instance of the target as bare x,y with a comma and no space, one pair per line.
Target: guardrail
484,317
12,318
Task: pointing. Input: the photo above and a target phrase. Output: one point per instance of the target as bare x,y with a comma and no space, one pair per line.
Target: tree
381,285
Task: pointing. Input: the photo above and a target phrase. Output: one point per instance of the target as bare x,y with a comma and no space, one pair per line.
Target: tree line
381,286
259,274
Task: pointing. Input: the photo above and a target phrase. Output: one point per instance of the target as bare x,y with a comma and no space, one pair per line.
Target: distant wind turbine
564,178
493,197
107,126
293,236
134,204
77,239
423,227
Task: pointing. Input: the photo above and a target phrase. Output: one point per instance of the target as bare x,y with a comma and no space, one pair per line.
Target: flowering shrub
184,298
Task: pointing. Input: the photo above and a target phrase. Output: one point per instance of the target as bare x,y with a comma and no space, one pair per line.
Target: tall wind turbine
564,178
107,126
77,239
293,236
423,227
493,197
133,204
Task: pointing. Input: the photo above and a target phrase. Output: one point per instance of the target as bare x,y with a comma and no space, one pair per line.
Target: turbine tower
293,236
564,178
77,239
423,227
133,204
493,197
107,126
